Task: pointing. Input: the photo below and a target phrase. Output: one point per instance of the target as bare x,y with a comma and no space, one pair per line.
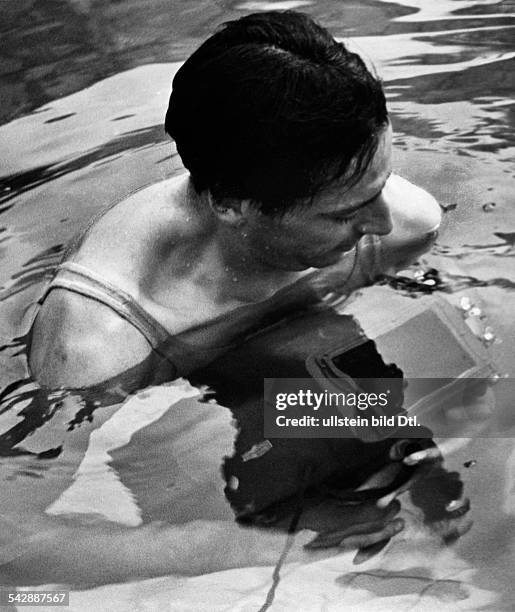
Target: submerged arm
107,552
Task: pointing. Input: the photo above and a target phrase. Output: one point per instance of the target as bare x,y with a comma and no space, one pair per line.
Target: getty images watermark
374,409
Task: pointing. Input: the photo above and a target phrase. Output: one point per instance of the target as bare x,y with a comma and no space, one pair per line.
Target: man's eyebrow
350,210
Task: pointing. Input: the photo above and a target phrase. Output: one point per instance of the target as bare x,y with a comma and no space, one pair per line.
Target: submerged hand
421,461
368,525
363,526
440,497
436,491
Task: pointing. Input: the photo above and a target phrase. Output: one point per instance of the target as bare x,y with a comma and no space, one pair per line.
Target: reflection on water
15,184
448,74
37,269
449,9
432,281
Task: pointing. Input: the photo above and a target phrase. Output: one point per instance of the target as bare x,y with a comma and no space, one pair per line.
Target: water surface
84,89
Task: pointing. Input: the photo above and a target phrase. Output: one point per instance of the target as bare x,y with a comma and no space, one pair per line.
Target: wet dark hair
272,109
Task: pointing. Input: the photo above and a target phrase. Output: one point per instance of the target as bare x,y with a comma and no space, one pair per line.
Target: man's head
271,109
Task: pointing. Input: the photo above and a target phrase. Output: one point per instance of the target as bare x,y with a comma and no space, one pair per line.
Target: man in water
289,198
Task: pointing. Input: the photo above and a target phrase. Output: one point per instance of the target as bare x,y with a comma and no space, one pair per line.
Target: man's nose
376,218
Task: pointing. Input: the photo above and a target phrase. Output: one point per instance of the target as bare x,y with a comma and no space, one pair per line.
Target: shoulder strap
79,279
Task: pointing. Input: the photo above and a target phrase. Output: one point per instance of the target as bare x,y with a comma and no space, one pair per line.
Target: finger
457,508
364,554
370,539
429,454
333,538
327,539
383,502
458,531
383,477
361,532
391,510
404,447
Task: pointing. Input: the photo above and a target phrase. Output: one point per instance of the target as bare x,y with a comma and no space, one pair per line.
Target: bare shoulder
132,235
78,342
416,217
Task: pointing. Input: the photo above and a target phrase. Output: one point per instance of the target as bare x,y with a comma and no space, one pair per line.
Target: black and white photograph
257,296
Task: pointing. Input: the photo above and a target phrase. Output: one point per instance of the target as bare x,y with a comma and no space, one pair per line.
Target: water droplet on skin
429,281
489,206
234,483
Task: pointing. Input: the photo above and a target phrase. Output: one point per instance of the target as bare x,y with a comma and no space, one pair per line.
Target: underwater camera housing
323,344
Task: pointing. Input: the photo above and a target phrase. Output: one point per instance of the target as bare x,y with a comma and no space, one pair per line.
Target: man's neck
234,273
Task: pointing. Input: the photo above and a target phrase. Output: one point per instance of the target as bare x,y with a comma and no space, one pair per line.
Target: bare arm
82,555
105,553
78,343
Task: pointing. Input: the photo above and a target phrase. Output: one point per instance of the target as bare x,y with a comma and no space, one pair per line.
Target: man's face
316,235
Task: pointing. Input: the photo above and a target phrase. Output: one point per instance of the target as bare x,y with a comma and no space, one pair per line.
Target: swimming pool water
85,96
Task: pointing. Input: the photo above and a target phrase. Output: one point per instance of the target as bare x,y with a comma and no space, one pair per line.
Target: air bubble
465,303
489,206
488,334
475,312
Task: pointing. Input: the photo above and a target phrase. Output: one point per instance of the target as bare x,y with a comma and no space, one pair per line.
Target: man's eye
342,219
346,219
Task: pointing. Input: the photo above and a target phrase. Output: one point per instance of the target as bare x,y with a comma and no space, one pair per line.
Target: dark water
84,85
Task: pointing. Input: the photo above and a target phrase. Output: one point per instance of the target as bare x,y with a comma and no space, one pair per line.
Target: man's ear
229,210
